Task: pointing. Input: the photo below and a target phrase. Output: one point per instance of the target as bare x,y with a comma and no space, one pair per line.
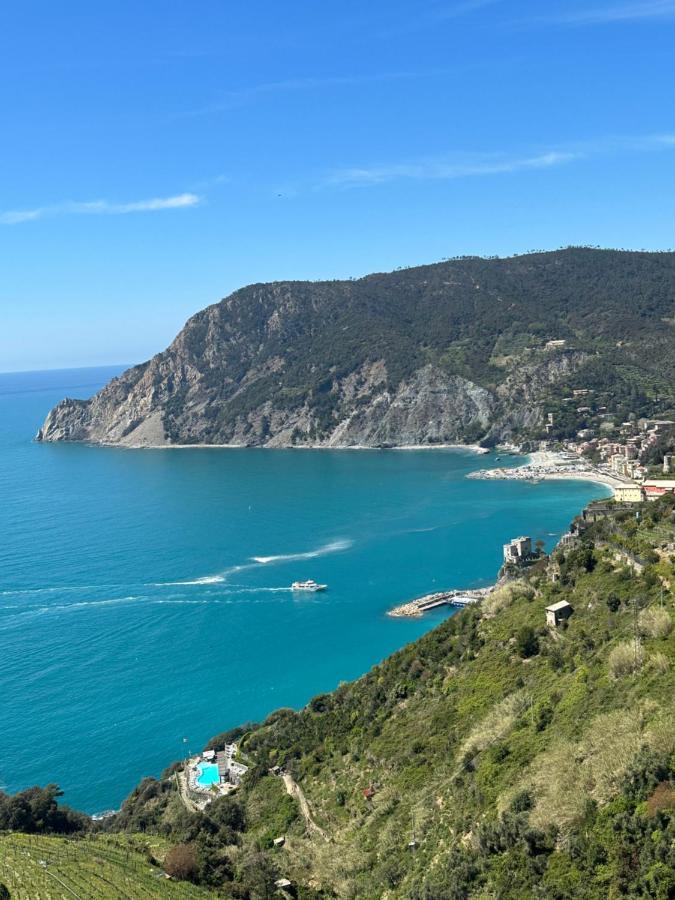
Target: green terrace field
37,867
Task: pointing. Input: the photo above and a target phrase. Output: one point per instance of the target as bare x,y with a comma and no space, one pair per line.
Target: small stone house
558,613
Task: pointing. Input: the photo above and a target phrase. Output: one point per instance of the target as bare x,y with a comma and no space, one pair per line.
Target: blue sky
156,156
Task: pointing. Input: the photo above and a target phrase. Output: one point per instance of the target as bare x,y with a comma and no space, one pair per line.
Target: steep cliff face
442,353
431,408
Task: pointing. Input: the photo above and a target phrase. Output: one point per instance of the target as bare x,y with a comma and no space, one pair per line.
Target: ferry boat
308,585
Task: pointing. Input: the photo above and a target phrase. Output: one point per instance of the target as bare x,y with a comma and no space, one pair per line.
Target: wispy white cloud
615,144
15,216
99,207
631,11
497,164
235,98
444,170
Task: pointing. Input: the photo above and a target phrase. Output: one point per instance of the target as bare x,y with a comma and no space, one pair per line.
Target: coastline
541,465
551,465
471,448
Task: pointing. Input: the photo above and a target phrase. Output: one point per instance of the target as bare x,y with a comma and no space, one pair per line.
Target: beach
553,465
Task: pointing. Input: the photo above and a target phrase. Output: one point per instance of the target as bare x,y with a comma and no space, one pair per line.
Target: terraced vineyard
34,867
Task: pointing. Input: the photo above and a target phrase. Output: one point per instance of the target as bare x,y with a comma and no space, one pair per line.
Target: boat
308,585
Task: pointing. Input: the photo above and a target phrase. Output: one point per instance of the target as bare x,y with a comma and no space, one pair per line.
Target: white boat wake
207,579
335,546
332,547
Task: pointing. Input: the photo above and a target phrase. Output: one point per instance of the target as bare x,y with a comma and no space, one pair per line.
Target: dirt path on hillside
190,804
295,791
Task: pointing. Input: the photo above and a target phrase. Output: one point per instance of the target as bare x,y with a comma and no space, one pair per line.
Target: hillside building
629,493
518,550
657,488
558,613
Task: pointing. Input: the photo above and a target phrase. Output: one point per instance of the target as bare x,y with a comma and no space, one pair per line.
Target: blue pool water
145,594
208,774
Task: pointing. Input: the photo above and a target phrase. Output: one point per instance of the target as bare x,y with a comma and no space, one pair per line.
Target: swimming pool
208,774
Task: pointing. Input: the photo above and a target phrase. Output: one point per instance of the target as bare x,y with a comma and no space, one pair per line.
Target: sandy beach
553,465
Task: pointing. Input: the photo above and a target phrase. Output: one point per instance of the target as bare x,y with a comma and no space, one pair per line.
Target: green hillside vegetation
95,867
493,757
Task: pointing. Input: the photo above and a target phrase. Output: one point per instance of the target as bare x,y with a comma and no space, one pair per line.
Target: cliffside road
295,791
185,796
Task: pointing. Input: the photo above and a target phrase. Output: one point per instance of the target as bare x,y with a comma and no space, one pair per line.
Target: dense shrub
662,799
36,811
527,642
659,662
625,659
181,862
655,622
613,603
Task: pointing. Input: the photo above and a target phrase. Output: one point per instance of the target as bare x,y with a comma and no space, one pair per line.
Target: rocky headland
449,353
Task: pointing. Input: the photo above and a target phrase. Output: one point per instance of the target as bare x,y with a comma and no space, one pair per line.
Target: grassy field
35,867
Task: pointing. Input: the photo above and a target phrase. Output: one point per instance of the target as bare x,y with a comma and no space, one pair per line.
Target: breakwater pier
441,598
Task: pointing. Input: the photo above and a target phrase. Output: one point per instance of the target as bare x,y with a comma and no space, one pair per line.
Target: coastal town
620,461
588,433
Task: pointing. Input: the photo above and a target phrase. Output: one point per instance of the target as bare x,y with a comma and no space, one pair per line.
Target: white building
518,550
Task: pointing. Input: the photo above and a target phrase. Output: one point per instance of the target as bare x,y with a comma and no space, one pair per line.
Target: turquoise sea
144,595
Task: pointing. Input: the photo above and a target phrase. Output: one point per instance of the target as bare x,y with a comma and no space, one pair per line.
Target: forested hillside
448,352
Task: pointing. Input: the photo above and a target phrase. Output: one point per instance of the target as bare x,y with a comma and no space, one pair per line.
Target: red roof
657,489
